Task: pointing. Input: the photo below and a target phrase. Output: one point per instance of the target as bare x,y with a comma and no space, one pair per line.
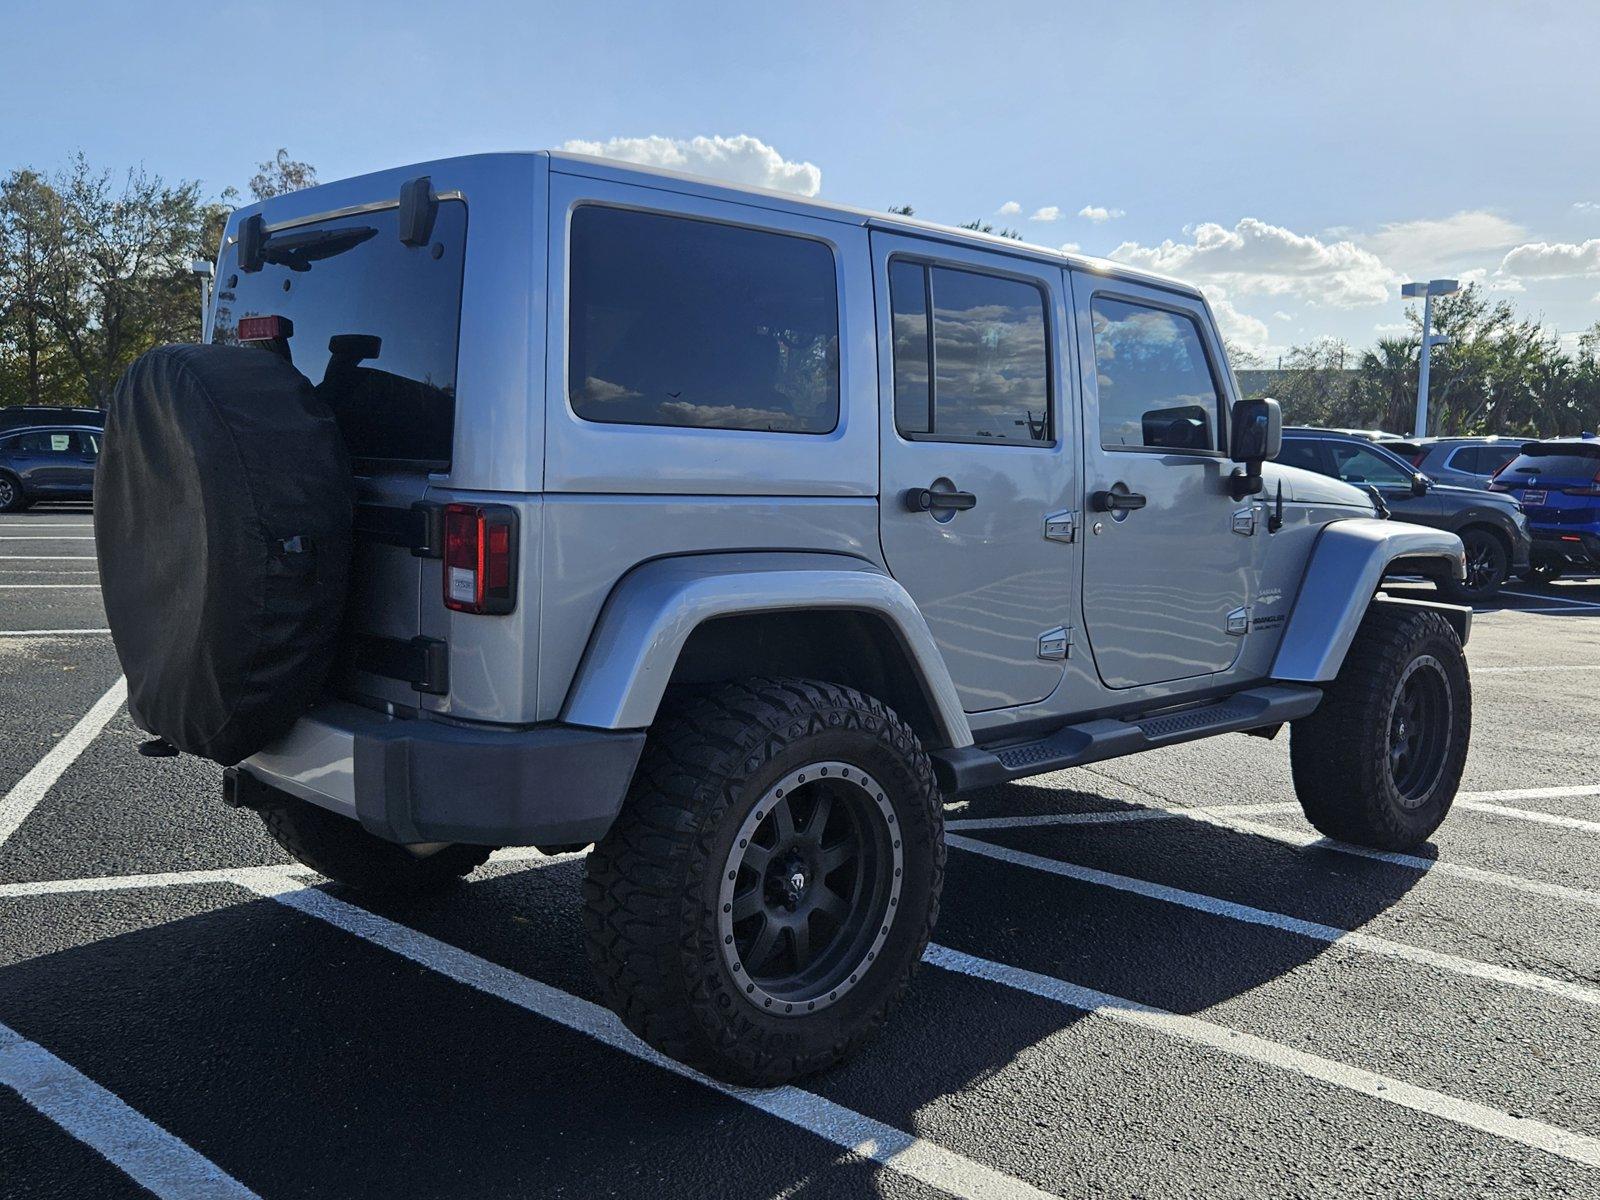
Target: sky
1297,161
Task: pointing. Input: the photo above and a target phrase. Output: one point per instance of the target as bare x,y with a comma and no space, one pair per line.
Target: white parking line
1303,840
1316,931
1535,670
1551,599
5,558
894,1148
1525,814
143,1150
28,633
46,537
46,586
1539,793
884,1144
1564,1143
46,524
16,804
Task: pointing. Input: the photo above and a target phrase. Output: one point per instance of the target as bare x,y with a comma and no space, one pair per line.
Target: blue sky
1299,161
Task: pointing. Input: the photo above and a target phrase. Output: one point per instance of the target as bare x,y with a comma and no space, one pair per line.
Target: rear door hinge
1056,644
1061,526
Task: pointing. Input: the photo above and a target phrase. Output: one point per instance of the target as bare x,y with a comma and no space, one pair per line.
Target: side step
967,768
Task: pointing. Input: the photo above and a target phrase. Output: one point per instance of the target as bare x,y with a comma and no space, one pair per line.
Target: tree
32,368
119,280
982,226
281,174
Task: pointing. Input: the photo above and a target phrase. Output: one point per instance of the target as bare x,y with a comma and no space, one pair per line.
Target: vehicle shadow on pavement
305,1061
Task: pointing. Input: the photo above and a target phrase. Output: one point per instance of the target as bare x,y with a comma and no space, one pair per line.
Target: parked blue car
1558,482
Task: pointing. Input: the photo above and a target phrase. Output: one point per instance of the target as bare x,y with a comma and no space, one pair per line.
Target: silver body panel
631,536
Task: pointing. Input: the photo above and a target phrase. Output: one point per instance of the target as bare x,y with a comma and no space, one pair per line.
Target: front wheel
767,891
1488,565
1379,761
12,498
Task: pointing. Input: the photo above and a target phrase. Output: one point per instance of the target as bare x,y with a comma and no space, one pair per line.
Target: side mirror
1419,484
1255,433
1255,436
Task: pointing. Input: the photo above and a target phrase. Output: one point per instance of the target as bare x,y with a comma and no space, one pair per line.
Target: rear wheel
1488,565
1545,571
337,846
12,498
1379,761
768,889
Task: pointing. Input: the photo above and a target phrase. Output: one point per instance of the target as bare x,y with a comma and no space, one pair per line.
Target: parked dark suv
1492,527
50,462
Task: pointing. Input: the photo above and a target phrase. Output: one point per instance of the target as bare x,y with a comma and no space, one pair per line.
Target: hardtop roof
303,204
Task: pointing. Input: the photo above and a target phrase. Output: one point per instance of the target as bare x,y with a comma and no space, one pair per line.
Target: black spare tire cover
223,504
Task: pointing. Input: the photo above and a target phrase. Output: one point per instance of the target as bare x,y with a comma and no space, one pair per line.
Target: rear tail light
265,329
480,558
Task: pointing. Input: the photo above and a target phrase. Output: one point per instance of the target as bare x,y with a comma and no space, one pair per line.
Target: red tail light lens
264,329
480,558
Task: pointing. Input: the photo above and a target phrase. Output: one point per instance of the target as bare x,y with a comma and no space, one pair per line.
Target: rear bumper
415,781
1559,546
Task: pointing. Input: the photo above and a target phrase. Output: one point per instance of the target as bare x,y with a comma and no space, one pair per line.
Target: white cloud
1586,205
1491,283
1098,213
742,159
1553,260
1392,329
1050,212
1255,258
1071,248
1239,329
1283,316
1009,209
1425,244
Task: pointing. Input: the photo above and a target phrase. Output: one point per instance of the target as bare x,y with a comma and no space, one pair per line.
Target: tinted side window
1303,453
1358,464
43,441
1155,383
682,322
990,360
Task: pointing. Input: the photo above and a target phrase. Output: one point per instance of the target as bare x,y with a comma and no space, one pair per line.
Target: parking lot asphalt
1150,978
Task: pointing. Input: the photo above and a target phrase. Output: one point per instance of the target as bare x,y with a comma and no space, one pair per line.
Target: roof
617,168
297,207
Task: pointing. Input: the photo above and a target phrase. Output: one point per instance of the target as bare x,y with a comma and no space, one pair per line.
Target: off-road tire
12,497
1340,754
651,892
337,846
1484,549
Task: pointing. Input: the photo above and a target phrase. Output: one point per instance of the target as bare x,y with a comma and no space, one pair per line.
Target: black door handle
928,500
1114,501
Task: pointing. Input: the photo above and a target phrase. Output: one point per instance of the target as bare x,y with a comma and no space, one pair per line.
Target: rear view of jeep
531,500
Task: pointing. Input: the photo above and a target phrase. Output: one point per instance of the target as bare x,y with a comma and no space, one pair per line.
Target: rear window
1556,462
375,324
694,323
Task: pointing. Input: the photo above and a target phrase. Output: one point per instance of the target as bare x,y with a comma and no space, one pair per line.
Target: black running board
967,768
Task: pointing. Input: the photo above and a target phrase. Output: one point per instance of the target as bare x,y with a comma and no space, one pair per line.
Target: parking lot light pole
1434,287
201,269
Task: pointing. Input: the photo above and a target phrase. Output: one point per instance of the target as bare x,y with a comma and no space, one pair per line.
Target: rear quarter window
684,322
375,324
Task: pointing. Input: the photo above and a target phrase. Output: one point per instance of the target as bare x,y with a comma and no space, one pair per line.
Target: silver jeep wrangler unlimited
734,533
